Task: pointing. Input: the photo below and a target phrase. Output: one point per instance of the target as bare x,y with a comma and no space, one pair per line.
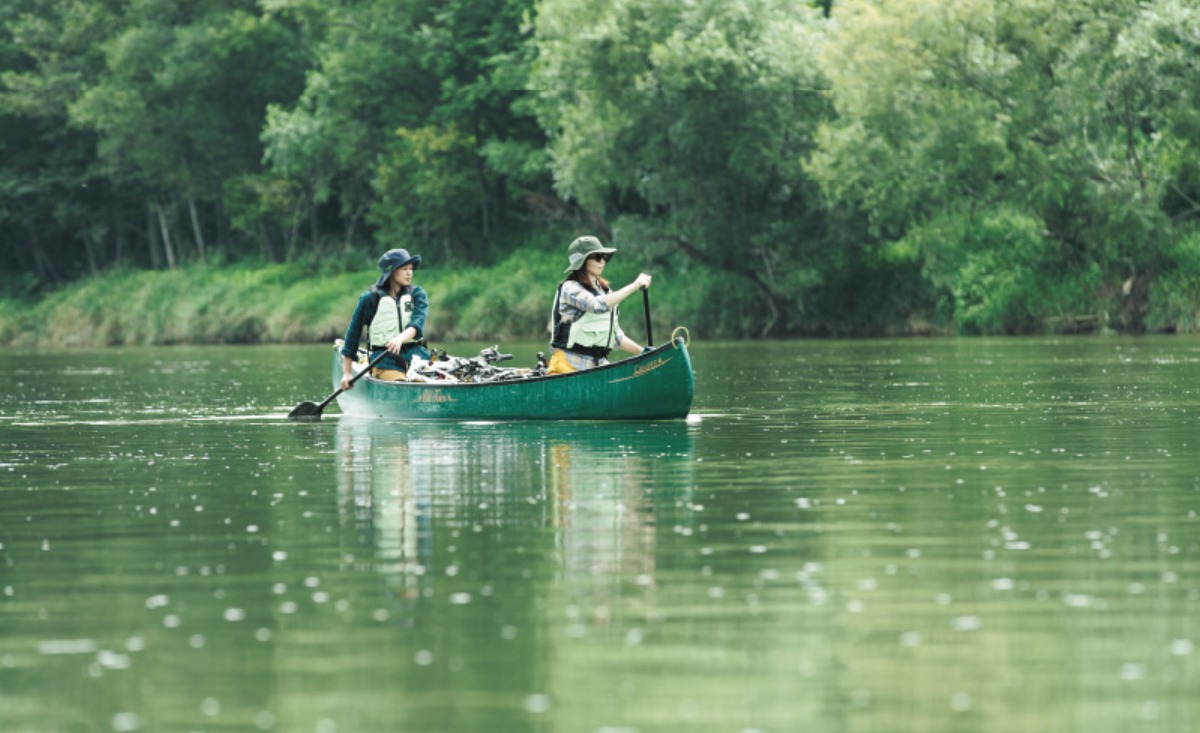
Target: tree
410,121
685,125
121,121
954,116
54,210
181,102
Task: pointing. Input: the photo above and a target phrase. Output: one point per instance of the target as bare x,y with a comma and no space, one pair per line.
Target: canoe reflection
464,510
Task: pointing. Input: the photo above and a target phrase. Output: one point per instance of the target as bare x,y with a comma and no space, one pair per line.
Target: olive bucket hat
582,248
393,259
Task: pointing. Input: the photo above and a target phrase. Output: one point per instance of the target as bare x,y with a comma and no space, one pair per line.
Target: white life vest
392,316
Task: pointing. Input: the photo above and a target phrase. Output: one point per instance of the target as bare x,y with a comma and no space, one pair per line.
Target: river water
917,535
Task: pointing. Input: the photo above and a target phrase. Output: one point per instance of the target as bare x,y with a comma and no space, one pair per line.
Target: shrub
1173,302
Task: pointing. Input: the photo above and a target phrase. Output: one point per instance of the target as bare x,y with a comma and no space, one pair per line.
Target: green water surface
921,535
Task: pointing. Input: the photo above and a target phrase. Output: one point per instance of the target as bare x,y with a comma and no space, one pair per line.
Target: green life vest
593,330
391,318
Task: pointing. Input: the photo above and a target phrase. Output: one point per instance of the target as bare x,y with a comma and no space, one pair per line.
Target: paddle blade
306,411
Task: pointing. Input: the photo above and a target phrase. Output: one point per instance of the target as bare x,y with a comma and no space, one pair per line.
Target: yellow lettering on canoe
434,396
644,369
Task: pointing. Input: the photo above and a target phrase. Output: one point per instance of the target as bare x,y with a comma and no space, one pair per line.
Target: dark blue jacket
364,313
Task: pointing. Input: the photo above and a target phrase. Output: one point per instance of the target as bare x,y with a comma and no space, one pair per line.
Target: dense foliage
854,167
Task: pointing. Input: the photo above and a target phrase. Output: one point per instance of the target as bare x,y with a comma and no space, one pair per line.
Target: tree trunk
312,221
168,248
156,259
291,240
90,249
43,264
45,267
501,201
199,235
222,227
119,235
485,222
266,251
351,225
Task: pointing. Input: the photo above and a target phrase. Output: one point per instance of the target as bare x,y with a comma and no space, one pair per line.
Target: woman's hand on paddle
642,281
396,344
347,373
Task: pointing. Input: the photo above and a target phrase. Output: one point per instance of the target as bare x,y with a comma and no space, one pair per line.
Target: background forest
229,170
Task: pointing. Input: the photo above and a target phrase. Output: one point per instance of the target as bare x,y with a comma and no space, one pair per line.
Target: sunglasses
600,258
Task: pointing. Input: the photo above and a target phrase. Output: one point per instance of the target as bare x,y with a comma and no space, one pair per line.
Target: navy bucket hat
393,259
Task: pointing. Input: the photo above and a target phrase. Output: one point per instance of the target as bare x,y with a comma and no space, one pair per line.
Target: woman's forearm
616,296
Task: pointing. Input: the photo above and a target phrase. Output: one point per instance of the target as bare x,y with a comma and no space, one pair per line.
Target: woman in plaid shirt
584,324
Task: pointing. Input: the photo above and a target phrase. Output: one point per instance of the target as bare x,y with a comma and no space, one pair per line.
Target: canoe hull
657,385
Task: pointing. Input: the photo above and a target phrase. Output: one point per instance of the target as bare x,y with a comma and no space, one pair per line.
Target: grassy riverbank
510,299
292,303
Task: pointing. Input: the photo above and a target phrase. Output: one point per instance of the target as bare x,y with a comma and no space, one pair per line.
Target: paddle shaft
646,303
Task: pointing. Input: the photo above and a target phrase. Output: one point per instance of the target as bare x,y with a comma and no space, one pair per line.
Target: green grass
276,303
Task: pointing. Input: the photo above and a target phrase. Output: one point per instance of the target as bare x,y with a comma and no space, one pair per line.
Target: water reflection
424,500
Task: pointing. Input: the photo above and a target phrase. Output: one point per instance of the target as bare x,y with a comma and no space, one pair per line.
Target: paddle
312,411
646,303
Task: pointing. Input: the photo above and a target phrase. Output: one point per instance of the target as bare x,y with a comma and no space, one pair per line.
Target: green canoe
656,385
